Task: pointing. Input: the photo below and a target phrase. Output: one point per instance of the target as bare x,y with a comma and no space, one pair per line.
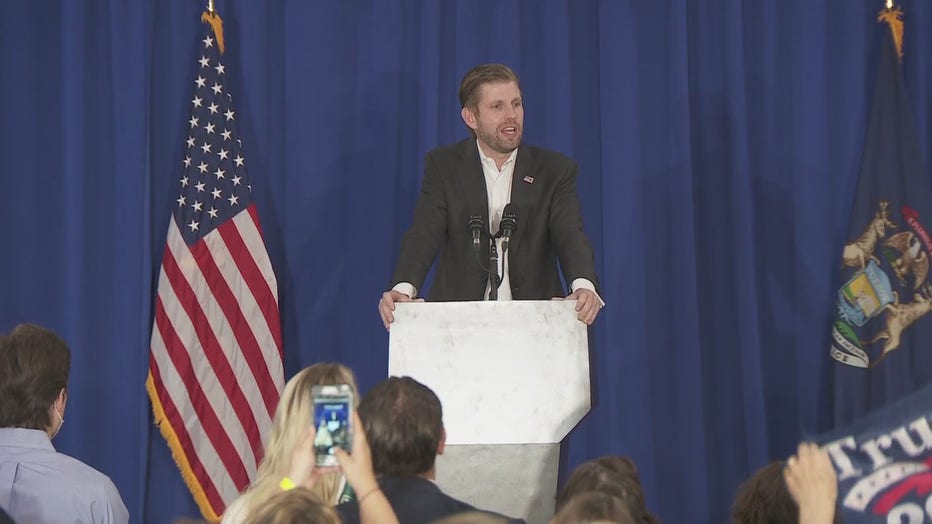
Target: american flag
215,363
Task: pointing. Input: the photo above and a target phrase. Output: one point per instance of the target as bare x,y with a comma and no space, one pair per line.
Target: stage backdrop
718,144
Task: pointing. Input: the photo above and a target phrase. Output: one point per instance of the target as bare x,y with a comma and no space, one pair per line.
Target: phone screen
333,414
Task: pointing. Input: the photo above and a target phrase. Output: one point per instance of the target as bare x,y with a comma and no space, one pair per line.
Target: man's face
499,117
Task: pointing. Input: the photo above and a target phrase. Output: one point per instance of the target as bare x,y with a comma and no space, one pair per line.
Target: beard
499,143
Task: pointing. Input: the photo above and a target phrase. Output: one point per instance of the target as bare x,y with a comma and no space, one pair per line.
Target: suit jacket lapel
469,173
521,193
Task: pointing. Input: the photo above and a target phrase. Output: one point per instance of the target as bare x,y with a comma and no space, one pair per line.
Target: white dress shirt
38,484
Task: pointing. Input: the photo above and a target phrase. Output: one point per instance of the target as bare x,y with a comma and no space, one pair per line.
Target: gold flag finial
216,23
893,16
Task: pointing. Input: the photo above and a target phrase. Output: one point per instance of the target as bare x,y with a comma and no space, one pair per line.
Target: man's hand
387,305
588,304
810,479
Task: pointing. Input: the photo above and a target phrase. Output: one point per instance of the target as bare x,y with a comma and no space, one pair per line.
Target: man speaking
499,212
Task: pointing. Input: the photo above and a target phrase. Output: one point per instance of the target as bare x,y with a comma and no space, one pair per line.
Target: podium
513,380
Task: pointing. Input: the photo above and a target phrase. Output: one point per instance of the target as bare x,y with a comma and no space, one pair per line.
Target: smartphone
333,420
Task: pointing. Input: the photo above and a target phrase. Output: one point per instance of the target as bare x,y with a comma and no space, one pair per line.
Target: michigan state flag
882,330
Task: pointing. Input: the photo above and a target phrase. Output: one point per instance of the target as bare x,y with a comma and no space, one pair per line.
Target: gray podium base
517,480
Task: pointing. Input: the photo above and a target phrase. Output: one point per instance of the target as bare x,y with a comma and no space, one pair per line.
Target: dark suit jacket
414,499
543,192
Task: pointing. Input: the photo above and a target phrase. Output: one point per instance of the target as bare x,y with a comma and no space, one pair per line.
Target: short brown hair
34,368
403,421
480,75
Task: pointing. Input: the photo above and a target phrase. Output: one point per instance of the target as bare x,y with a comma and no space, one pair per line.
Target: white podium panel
514,372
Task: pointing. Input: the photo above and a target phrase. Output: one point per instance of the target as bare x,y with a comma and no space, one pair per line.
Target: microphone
475,225
508,225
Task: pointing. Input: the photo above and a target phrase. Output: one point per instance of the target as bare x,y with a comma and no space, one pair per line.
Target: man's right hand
387,305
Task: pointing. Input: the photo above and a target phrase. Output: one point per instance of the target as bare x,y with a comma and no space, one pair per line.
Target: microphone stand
493,269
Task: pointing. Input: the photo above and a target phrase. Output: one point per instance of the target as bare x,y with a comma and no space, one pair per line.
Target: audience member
811,481
292,416
39,484
591,507
613,475
403,421
295,506
474,517
300,504
765,499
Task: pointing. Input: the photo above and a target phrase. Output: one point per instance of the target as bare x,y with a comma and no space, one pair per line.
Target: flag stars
205,148
187,161
181,201
193,122
193,225
229,114
197,101
201,81
197,206
200,187
217,193
233,200
209,128
220,173
226,134
223,154
213,108
190,141
205,62
208,42
236,180
212,212
219,69
184,181
202,167
217,88
238,161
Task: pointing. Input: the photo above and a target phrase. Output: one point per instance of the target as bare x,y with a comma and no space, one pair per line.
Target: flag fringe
893,18
181,460
216,23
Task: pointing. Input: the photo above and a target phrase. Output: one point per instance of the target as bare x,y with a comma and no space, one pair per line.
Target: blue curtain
718,144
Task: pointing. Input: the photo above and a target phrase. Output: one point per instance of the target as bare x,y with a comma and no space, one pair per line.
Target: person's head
296,506
592,507
474,517
295,411
490,97
34,368
403,421
764,499
613,475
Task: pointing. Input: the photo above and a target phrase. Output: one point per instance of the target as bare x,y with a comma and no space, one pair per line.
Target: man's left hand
588,305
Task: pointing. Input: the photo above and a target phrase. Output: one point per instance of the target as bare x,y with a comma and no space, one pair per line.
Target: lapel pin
529,179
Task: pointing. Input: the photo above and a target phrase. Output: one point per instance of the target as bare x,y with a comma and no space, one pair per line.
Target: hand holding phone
333,420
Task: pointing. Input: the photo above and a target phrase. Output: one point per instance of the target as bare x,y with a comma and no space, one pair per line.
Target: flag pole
210,5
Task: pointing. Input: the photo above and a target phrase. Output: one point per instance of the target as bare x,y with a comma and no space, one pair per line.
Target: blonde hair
298,506
292,417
